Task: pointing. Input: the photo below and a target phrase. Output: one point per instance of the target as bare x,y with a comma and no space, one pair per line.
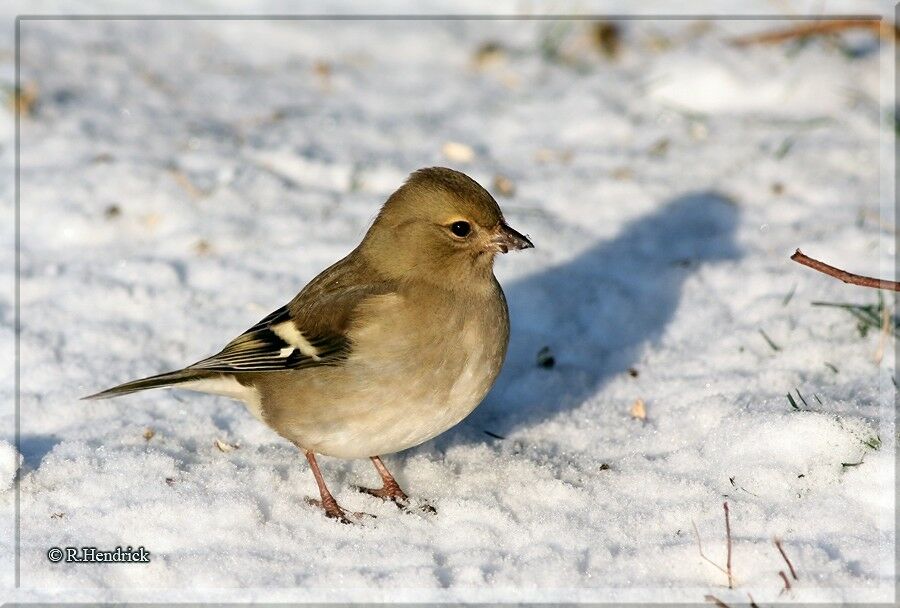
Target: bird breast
416,369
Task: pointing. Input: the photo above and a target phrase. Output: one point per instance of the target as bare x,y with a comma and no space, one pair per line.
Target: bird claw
396,496
335,511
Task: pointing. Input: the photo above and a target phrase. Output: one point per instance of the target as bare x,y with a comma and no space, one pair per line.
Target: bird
387,348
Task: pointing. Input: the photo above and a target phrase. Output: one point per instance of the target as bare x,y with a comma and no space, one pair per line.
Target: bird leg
390,489
332,508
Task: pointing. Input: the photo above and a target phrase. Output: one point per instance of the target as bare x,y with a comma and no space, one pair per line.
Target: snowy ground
182,179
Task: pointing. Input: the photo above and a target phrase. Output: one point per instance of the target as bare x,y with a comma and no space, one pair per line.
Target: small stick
700,549
716,601
882,30
728,545
790,566
185,182
787,583
843,275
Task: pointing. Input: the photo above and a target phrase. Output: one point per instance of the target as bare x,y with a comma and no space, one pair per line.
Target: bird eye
460,229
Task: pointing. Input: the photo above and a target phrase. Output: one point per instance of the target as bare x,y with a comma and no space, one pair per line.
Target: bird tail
158,381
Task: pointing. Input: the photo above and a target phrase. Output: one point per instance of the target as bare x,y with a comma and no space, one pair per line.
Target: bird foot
390,492
393,493
334,511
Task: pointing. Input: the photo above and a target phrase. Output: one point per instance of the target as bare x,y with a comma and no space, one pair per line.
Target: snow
182,179
9,464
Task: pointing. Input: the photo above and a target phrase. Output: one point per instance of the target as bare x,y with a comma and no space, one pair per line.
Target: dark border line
447,17
895,119
17,298
313,17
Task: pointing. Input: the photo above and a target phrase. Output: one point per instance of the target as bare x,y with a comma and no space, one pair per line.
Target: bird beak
506,239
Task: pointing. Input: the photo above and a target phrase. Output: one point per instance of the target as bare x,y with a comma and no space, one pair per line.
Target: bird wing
276,344
309,331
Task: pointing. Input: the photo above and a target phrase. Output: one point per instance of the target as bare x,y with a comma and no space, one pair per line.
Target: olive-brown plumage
388,347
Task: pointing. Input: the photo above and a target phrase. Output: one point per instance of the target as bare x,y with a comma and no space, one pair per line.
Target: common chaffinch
385,349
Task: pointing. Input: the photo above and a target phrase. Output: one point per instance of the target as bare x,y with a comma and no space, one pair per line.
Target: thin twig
728,545
716,601
789,296
700,549
843,275
769,340
186,184
787,583
778,544
793,403
818,28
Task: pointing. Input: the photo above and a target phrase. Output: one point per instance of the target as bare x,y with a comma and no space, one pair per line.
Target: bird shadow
33,448
597,312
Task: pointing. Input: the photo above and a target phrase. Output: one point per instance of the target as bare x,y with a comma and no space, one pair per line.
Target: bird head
441,225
